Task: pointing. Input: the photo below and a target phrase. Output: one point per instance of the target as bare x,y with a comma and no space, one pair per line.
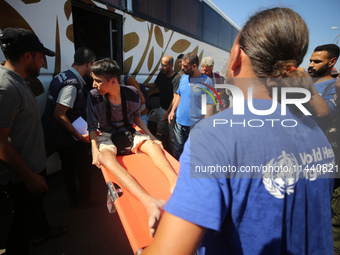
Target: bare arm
337,89
175,236
175,103
35,183
94,147
60,116
142,125
318,104
210,110
166,114
150,85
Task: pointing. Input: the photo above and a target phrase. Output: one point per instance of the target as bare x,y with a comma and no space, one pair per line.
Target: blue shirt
250,212
191,89
328,95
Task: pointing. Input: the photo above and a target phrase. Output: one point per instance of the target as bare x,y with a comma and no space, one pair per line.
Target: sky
320,17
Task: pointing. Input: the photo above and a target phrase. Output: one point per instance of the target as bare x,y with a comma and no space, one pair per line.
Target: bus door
98,29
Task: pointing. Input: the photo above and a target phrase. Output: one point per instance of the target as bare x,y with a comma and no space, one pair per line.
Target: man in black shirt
167,81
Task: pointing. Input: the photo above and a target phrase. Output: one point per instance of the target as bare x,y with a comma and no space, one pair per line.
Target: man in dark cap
22,150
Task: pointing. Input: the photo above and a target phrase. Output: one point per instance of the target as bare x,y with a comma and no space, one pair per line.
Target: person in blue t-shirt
320,68
188,102
255,183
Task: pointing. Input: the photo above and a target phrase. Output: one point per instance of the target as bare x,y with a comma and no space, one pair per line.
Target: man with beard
167,81
66,102
222,211
188,100
22,150
320,68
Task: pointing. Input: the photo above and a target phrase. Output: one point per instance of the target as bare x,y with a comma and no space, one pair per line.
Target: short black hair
332,49
107,68
83,56
14,55
193,59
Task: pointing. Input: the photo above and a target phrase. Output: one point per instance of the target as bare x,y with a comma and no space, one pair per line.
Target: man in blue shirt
321,64
246,184
188,100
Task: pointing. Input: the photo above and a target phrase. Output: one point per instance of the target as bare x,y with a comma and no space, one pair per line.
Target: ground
92,230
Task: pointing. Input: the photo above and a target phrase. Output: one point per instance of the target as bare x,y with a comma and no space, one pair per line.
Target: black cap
22,39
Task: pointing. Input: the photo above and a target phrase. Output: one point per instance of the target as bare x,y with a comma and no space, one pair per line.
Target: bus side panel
52,22
145,44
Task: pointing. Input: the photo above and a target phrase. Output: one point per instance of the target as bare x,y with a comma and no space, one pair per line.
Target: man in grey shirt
22,151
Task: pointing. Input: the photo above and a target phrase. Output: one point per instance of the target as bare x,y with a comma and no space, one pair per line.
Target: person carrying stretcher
112,109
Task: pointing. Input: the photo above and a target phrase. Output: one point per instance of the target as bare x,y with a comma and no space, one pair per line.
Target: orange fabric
291,69
131,212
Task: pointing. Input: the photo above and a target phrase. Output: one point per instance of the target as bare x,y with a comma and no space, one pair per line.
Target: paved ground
92,230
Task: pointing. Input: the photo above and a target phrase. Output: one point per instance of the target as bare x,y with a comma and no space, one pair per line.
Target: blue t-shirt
189,110
321,87
250,212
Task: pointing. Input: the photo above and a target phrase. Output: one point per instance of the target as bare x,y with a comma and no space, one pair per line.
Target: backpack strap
126,77
124,110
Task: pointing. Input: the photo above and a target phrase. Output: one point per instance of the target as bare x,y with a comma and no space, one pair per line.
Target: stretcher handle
112,194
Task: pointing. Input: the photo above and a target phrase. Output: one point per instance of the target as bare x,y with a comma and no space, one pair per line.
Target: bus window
100,32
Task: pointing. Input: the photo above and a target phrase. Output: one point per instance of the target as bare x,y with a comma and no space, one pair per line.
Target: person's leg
153,206
28,218
156,154
84,172
163,130
177,139
172,136
162,127
41,226
181,134
68,169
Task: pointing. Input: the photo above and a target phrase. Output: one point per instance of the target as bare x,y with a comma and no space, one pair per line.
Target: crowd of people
225,212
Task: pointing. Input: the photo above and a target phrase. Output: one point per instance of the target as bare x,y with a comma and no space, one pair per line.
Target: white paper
81,126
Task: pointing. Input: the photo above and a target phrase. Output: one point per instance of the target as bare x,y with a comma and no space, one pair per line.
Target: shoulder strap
126,77
107,108
126,122
124,110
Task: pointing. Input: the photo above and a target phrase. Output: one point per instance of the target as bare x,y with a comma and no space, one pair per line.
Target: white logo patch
281,175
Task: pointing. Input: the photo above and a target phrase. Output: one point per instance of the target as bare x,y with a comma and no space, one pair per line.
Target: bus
135,33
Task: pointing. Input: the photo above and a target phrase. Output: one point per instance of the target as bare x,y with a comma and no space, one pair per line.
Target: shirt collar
78,76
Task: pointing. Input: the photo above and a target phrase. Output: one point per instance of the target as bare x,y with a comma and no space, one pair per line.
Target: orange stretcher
130,210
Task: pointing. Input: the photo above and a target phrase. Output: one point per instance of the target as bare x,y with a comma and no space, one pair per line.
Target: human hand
95,159
165,117
85,138
170,117
35,183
